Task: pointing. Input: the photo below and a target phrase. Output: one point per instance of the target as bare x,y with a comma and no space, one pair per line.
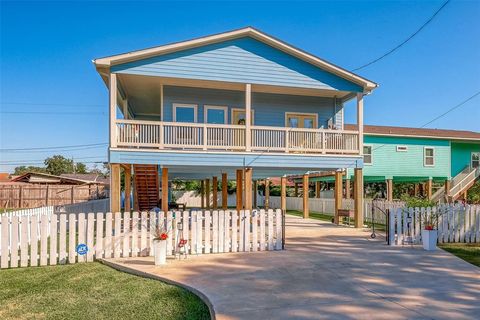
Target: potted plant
160,236
429,233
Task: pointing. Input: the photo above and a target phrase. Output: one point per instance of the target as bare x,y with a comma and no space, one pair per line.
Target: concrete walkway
327,272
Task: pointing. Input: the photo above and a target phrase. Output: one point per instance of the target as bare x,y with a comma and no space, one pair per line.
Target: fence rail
178,135
49,240
455,224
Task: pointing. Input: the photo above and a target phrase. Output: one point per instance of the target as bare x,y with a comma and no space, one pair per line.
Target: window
429,157
301,120
367,155
475,159
184,112
216,114
239,116
402,148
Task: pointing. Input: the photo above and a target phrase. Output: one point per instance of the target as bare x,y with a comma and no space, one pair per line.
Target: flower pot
160,252
429,239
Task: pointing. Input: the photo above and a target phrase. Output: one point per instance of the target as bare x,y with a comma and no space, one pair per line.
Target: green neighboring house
420,156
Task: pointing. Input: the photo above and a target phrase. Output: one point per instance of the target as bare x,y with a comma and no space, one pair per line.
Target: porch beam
248,120
358,190
283,184
112,86
115,187
248,189
338,194
239,190
224,191
164,189
215,192
306,210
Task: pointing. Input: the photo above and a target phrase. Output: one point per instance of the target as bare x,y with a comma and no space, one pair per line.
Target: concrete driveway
327,272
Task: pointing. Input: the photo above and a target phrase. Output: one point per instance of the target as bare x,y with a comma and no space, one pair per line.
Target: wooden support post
283,183
47,192
114,187
202,193
224,191
415,189
447,187
267,193
207,193
128,187
72,194
164,189
389,183
305,197
255,190
296,190
358,190
318,189
215,192
348,187
429,187
239,190
248,189
338,195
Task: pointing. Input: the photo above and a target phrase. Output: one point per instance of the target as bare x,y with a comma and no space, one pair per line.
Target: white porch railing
178,135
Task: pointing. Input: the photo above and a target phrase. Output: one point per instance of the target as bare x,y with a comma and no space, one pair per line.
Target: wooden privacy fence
26,196
50,240
455,223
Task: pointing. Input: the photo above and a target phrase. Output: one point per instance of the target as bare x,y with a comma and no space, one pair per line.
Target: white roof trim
249,31
420,136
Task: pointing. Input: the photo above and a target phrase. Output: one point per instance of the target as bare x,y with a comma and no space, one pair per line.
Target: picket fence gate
454,224
49,240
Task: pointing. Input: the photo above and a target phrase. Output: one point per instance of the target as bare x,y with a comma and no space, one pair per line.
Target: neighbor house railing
179,135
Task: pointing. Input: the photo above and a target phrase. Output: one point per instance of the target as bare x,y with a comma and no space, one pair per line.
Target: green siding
461,155
389,163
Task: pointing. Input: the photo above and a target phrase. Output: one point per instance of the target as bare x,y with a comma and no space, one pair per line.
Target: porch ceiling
143,92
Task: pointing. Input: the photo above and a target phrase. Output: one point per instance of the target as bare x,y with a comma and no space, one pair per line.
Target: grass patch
469,252
92,291
312,215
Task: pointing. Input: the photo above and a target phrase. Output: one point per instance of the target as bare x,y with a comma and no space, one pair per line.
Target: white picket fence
48,239
455,224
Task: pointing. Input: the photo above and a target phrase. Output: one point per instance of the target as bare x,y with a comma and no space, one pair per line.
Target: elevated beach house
238,105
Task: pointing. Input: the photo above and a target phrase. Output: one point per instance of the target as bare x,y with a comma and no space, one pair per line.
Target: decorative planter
160,252
429,239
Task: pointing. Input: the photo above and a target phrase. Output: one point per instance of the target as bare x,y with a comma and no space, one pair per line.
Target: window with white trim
429,157
184,112
475,159
367,155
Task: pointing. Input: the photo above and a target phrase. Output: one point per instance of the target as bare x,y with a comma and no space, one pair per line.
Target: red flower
429,227
163,236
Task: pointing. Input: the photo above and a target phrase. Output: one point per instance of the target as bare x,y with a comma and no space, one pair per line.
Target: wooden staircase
146,186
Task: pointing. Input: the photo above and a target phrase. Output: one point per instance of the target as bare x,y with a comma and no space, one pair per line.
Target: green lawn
312,215
92,291
469,252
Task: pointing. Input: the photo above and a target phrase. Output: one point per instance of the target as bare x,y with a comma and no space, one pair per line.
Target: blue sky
47,48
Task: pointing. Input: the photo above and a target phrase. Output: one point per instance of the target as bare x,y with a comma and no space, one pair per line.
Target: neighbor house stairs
460,183
146,190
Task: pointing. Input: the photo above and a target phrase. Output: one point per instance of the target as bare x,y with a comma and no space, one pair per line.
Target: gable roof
417,132
107,62
38,177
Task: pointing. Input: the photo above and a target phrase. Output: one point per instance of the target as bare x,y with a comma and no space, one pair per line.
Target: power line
405,41
56,147
42,160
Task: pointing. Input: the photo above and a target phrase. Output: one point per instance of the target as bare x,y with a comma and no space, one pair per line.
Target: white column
248,115
161,102
113,109
360,121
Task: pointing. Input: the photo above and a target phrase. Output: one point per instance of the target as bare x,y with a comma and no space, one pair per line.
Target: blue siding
243,60
269,109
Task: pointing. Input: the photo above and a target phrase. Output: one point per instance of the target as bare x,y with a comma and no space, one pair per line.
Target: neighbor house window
475,159
429,157
184,112
367,155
